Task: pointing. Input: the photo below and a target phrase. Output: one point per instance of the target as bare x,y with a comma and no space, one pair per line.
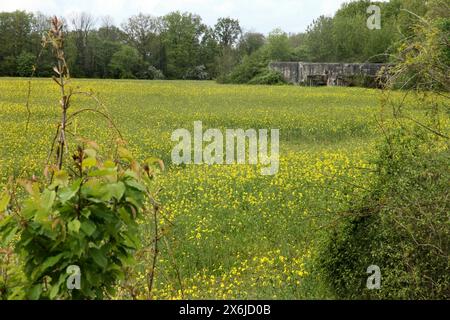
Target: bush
88,220
401,225
402,222
251,67
151,73
197,73
126,63
25,62
269,77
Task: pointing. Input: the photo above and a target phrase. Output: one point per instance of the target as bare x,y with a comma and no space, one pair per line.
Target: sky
254,15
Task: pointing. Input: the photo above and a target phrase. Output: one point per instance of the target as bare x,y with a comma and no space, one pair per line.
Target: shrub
269,77
402,222
25,62
197,73
250,67
126,63
89,219
401,225
150,73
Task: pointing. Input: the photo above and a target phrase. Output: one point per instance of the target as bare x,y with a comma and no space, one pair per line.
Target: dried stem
151,275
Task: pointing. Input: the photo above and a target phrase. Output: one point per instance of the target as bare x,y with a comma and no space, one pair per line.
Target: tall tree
81,25
250,42
15,33
319,40
209,51
143,32
227,31
278,46
181,36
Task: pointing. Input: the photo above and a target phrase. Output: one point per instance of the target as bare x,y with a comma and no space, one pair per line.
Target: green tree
227,31
320,41
250,42
144,33
15,30
209,50
278,46
25,63
82,25
181,37
126,63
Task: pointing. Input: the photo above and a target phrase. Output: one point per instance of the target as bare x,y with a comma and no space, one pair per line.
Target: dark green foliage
250,42
250,67
227,31
25,63
278,46
254,69
15,29
401,226
181,38
268,77
126,63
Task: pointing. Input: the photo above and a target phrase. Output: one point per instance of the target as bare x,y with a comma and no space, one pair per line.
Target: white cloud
258,15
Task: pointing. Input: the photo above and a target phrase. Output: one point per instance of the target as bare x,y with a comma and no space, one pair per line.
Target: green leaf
68,193
35,292
5,223
103,172
42,211
54,291
136,185
133,202
4,201
125,215
127,241
88,227
50,262
125,154
130,174
109,164
74,226
89,163
117,189
99,258
47,199
61,178
30,207
96,191
9,235
86,213
55,288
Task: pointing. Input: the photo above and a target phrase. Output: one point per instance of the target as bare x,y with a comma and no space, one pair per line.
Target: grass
236,234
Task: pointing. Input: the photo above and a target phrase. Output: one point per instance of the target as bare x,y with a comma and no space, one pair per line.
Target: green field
235,233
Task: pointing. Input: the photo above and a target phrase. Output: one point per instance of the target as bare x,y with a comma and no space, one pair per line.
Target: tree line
181,46
175,46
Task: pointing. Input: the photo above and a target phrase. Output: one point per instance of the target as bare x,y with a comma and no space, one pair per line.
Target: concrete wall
290,70
332,74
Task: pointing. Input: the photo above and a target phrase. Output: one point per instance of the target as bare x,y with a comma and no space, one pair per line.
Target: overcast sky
256,15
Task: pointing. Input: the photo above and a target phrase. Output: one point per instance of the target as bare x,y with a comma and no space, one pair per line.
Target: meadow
230,233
